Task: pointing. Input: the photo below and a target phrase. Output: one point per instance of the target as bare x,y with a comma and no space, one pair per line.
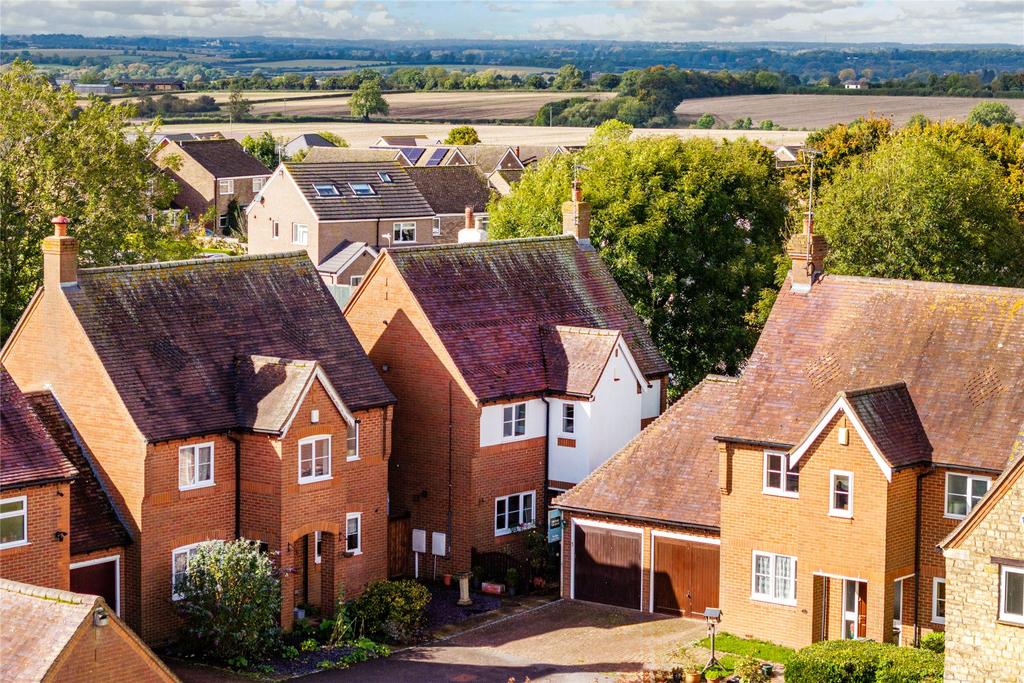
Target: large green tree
991,114
367,100
689,229
922,207
58,159
264,147
569,77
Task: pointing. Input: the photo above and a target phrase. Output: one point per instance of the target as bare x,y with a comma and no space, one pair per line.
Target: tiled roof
28,454
396,199
958,348
168,335
487,301
484,156
268,389
450,189
95,524
319,155
669,471
223,158
403,140
575,357
890,418
510,176
342,255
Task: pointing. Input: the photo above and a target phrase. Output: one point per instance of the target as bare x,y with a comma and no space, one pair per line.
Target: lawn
769,652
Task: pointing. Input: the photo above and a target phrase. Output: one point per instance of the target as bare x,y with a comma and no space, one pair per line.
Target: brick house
519,366
220,399
340,213
55,635
451,191
211,172
985,583
871,417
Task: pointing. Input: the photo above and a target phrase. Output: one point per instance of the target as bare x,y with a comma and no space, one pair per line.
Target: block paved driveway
561,642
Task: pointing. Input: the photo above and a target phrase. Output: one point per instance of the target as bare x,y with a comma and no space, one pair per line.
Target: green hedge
863,661
390,610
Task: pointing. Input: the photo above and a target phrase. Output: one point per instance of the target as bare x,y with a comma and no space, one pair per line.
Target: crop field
816,111
505,105
303,64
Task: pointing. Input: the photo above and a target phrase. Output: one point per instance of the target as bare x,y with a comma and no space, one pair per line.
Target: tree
239,108
230,601
462,135
608,81
705,121
56,159
263,147
991,114
922,208
847,74
367,100
535,82
333,138
688,228
569,77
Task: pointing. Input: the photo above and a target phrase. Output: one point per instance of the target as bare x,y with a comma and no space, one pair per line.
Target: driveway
561,642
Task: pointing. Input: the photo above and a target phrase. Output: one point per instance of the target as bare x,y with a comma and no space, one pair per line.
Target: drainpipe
451,426
547,450
917,555
238,484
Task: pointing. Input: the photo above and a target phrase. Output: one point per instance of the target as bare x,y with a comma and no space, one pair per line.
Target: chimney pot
576,217
60,225
517,152
60,256
469,217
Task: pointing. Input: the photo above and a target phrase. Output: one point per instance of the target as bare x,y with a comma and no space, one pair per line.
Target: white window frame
512,436
184,549
436,229
854,615
349,455
1005,569
317,540
332,192
936,582
365,190
195,466
398,228
506,529
24,521
222,220
568,420
772,577
275,230
482,221
358,516
300,233
355,280
971,478
897,610
385,176
312,440
228,183
833,511
257,184
782,490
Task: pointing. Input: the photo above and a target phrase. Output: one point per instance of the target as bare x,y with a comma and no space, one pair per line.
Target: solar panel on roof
413,154
435,158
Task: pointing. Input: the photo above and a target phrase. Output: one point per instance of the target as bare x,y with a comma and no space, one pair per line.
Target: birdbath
464,599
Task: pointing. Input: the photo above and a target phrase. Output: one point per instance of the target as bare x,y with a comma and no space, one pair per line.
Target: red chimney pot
469,217
60,226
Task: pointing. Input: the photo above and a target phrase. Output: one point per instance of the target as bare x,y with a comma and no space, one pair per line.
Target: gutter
917,553
638,518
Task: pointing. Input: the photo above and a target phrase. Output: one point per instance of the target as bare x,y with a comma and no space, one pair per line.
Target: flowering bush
390,610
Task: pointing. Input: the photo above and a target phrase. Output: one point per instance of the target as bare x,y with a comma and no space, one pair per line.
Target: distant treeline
169,104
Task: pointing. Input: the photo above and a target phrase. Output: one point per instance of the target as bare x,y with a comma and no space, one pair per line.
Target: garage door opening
685,576
606,565
100,577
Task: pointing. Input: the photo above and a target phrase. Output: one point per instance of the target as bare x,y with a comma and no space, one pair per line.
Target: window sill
353,553
515,530
352,458
939,620
313,480
839,514
512,439
16,544
193,487
770,601
1010,622
780,494
959,518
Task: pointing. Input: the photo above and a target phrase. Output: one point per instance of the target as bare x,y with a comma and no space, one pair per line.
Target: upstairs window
841,494
13,522
963,492
404,232
513,420
353,533
513,513
779,480
1011,594
568,418
355,281
257,184
314,459
482,222
325,190
195,466
385,177
275,230
226,186
300,233
436,231
352,442
362,189
774,578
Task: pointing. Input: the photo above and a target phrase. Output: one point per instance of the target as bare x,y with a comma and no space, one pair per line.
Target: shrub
390,610
289,652
749,670
863,661
934,641
309,645
462,135
230,602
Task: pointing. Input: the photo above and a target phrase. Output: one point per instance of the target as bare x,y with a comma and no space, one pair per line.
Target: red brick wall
108,654
500,470
44,561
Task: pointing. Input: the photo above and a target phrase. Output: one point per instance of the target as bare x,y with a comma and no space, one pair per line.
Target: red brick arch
305,529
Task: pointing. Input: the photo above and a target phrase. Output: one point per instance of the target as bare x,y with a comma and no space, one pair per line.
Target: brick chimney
60,256
471,233
808,253
469,218
576,217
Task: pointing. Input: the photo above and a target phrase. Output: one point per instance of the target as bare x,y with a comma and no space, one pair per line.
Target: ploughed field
818,111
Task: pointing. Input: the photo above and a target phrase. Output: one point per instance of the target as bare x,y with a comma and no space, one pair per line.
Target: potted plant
511,580
447,580
539,582
688,666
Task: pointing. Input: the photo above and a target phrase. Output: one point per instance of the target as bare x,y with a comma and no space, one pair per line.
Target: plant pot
447,579
767,669
539,582
692,678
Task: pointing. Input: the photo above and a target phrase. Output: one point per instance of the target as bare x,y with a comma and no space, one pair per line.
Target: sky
836,21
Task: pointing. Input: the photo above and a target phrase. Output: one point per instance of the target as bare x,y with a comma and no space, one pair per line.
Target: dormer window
779,479
385,177
326,190
362,189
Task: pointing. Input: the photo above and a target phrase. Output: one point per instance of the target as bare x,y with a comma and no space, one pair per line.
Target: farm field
817,111
303,64
473,105
365,134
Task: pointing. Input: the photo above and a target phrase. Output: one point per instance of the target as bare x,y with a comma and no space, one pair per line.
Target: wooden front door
399,544
97,578
606,566
685,576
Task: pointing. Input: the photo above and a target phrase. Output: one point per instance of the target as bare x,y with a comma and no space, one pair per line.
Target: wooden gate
399,544
685,576
606,566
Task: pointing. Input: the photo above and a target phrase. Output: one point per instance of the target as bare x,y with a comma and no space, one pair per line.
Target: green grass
769,652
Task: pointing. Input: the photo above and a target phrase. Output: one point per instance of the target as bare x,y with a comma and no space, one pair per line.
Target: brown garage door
97,579
606,566
685,576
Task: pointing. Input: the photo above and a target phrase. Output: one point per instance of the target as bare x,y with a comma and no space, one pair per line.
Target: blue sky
908,21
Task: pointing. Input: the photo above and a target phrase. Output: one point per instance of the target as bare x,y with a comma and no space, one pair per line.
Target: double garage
618,564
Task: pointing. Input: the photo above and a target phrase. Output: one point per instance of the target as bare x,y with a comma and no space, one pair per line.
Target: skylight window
385,177
325,190
361,189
